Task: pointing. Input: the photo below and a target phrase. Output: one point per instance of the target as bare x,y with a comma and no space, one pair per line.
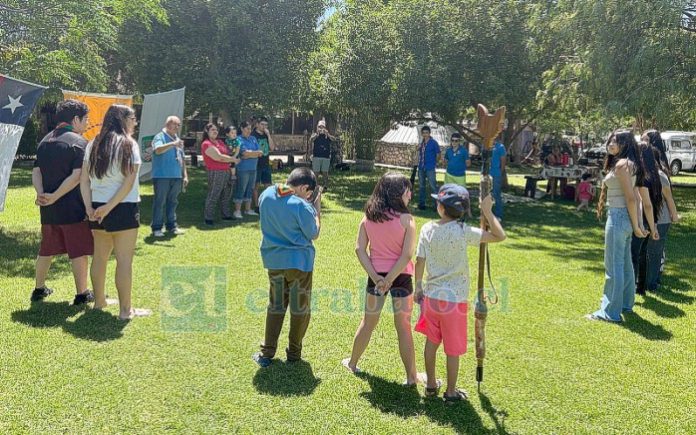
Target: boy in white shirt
442,249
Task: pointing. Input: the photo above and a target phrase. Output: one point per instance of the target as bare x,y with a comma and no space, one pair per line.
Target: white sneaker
251,213
237,215
177,231
158,233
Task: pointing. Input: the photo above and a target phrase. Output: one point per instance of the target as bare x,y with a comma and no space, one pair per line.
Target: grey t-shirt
664,217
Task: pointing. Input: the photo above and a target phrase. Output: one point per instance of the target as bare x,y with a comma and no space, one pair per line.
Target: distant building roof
410,133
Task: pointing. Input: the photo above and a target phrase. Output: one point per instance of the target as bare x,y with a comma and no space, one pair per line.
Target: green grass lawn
188,368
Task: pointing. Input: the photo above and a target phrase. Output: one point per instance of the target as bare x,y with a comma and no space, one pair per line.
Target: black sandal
433,392
459,396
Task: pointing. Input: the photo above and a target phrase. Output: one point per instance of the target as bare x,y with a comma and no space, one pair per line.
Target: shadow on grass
393,398
20,175
18,250
673,289
95,325
638,325
46,314
661,308
284,378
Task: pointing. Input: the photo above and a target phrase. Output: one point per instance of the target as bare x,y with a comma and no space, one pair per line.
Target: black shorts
401,287
263,175
125,216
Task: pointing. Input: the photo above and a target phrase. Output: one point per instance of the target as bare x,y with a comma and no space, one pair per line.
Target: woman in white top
619,197
109,186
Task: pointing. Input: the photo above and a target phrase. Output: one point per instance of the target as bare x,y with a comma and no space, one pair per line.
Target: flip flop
137,312
459,396
355,371
433,392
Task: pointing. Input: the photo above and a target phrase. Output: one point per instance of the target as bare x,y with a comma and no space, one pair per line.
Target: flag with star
17,101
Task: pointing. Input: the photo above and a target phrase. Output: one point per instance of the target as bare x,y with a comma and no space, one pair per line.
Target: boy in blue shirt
457,158
428,151
498,161
290,221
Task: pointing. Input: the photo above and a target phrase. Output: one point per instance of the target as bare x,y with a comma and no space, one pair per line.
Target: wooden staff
489,126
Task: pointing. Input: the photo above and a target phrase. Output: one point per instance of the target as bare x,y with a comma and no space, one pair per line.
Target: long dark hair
628,149
651,178
113,143
386,200
655,141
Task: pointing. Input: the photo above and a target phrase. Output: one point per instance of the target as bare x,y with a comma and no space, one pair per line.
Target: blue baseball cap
454,196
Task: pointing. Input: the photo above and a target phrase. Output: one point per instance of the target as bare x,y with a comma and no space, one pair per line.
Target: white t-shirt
105,188
446,262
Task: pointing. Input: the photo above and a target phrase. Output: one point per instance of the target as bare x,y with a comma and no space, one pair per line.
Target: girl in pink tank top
385,247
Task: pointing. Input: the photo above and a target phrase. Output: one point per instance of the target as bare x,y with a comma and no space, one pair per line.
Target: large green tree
622,61
66,43
232,56
405,58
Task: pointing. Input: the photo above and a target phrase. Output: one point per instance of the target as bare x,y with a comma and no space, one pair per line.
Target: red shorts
444,322
73,239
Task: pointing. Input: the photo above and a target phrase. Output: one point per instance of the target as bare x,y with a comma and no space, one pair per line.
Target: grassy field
188,368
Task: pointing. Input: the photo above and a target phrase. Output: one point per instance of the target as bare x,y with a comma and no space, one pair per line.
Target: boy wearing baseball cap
441,250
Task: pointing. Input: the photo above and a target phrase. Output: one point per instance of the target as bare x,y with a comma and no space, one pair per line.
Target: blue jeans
498,196
167,192
619,280
245,186
647,256
423,175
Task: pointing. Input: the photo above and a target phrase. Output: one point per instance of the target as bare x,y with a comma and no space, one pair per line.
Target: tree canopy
583,65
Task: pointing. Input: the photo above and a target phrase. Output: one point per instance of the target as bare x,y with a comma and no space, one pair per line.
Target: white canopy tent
409,133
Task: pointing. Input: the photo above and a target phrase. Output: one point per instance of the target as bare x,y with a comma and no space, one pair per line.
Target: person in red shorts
56,179
442,250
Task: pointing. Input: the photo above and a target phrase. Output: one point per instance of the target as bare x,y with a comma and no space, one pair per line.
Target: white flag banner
17,101
156,109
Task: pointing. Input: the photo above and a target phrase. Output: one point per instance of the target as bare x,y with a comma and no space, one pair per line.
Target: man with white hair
169,177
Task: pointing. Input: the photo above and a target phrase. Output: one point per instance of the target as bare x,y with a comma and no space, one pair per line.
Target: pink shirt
585,191
386,241
211,164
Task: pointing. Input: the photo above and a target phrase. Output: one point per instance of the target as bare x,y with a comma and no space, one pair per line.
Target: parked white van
681,151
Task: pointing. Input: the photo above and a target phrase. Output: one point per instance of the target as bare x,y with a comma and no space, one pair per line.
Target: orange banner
98,105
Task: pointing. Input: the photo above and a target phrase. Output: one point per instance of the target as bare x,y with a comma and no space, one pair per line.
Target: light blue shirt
168,164
498,153
247,144
288,225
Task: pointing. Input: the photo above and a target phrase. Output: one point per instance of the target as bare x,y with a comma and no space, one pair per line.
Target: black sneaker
209,223
84,298
40,293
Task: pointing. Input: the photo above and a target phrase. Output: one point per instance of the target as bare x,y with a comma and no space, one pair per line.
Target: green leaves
65,43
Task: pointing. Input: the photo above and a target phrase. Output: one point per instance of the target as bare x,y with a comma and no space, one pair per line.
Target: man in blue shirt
290,221
498,161
428,151
169,177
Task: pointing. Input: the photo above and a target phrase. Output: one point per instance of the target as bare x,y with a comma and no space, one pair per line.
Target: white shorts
321,164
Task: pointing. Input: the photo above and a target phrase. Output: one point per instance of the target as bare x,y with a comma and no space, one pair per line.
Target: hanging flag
17,101
156,109
98,104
